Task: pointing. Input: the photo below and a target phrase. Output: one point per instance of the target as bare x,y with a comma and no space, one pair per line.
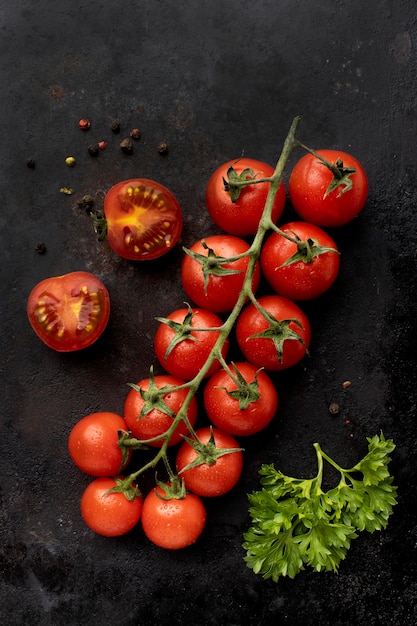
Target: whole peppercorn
30,163
135,133
115,126
70,161
40,248
84,124
126,145
93,149
334,408
162,147
87,203
102,145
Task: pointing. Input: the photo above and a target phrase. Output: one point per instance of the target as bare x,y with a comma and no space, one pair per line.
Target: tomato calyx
236,182
208,453
126,487
183,330
341,173
212,264
307,250
278,331
153,397
173,490
99,224
246,392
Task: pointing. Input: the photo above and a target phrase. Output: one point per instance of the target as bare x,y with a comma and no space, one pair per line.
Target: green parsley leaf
296,524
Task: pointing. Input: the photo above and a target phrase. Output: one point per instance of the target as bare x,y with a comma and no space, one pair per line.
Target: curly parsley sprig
295,523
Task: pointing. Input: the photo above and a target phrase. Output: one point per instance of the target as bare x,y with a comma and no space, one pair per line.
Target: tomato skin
173,524
222,292
242,217
112,514
300,280
144,219
211,480
156,422
261,351
224,411
69,312
92,444
188,357
308,184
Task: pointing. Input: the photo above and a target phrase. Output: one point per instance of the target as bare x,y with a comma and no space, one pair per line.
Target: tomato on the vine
149,414
181,348
172,523
212,285
93,444
327,198
110,513
143,219
275,337
242,401
302,263
69,312
242,216
218,472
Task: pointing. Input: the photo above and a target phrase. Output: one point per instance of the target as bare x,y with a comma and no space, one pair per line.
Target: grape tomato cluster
220,275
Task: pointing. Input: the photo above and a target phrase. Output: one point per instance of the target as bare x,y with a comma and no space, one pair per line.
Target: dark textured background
213,79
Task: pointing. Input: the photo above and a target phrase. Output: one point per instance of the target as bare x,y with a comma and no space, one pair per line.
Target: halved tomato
144,219
69,312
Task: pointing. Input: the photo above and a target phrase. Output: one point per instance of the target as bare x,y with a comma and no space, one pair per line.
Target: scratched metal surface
213,79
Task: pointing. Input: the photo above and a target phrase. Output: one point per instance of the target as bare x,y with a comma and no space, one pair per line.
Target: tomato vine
226,328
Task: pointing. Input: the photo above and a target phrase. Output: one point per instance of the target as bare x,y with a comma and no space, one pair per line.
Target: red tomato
175,523
69,312
284,342
242,217
302,270
109,514
221,292
157,420
187,357
144,219
237,408
92,444
216,476
309,184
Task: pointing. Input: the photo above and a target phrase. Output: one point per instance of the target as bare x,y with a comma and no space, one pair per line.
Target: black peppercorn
115,126
135,133
126,145
30,163
162,147
93,149
40,248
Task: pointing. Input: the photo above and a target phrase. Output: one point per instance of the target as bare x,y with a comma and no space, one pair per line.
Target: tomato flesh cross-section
144,219
69,312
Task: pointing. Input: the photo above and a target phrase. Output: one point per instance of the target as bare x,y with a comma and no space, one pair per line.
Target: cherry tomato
158,414
144,219
69,312
242,217
175,523
186,358
218,475
309,193
92,444
239,407
284,339
217,291
109,514
301,270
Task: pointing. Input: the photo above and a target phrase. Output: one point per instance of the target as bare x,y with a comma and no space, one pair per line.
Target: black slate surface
213,79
